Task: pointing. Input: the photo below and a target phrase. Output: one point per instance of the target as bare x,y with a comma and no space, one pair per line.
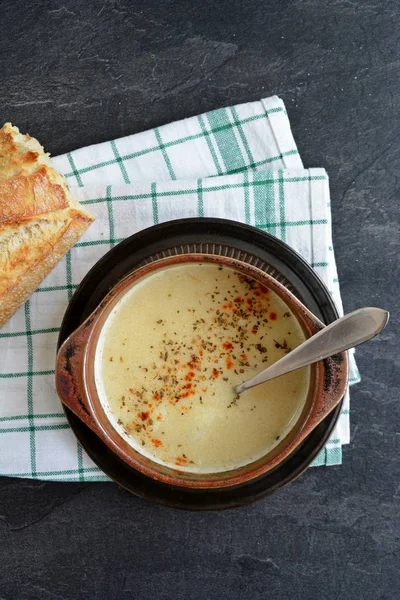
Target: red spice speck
244,357
263,289
239,300
157,443
227,346
229,363
273,316
192,364
180,460
254,330
249,301
159,417
215,372
143,415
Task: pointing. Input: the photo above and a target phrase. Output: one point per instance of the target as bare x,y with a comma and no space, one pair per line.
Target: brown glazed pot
75,381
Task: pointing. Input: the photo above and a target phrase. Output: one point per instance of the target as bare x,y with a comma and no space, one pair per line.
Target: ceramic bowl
77,389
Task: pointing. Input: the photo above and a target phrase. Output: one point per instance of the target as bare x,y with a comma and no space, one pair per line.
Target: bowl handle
70,376
333,372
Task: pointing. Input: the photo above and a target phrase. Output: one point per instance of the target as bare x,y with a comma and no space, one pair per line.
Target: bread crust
39,219
25,197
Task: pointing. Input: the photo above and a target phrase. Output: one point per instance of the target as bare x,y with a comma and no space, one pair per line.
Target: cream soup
172,351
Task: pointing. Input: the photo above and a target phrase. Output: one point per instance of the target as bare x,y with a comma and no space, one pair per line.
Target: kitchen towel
238,163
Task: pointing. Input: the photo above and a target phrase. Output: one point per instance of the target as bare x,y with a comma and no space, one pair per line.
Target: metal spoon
351,330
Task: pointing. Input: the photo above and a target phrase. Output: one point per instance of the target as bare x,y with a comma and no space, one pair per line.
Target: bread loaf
39,219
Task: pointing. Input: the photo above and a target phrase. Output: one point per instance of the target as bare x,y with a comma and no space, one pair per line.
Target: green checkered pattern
239,163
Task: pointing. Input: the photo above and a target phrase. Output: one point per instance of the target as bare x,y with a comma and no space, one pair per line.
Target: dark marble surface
74,73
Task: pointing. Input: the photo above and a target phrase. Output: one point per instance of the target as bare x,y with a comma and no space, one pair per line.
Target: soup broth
171,353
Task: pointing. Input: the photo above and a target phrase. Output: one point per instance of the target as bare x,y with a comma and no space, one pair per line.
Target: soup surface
172,351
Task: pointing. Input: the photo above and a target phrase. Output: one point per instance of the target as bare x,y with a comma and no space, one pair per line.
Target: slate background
74,73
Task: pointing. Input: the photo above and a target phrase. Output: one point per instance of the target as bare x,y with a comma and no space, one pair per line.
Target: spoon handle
344,333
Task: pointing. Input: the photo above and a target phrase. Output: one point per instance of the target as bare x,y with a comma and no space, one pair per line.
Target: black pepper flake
262,349
283,346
